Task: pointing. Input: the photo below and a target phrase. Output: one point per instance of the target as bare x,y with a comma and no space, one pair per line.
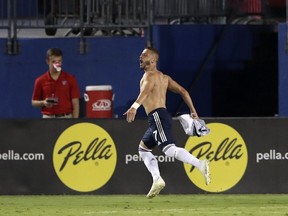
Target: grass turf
168,205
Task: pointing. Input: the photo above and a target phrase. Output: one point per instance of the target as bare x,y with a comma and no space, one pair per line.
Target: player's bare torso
156,97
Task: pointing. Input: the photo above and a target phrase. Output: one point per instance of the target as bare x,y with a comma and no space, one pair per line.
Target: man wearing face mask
56,92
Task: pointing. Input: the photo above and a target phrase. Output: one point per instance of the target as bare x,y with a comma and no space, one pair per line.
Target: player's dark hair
154,50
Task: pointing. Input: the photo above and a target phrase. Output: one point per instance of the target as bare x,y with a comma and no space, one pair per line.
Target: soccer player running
153,88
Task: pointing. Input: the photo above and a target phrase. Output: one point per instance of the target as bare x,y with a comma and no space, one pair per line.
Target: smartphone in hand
52,100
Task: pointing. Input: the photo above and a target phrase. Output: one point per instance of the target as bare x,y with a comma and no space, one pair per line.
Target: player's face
145,59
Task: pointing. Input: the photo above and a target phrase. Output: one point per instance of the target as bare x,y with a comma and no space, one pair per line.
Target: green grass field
168,205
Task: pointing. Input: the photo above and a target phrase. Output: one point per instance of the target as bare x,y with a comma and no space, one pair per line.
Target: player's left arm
178,89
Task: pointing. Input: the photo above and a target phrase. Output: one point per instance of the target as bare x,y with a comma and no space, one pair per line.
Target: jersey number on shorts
155,137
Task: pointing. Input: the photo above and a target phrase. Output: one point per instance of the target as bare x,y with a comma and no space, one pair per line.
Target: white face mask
57,67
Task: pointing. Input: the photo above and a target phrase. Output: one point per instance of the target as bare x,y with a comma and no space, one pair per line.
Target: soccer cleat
204,169
157,186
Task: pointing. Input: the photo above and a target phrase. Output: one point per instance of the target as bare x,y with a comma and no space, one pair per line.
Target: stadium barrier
109,17
99,156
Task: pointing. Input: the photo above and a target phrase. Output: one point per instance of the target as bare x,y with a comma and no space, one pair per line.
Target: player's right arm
146,86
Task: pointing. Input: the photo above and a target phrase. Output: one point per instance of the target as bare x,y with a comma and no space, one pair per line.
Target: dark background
230,70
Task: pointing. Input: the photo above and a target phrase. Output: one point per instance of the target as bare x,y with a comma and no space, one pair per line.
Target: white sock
150,162
181,154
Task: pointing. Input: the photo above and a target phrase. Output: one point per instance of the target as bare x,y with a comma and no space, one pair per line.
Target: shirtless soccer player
153,88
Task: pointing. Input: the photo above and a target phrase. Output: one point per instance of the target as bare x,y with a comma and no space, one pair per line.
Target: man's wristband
135,105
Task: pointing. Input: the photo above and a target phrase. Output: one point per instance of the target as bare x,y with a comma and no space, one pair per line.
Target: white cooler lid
99,88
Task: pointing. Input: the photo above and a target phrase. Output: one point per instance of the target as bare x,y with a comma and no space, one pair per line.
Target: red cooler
99,100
